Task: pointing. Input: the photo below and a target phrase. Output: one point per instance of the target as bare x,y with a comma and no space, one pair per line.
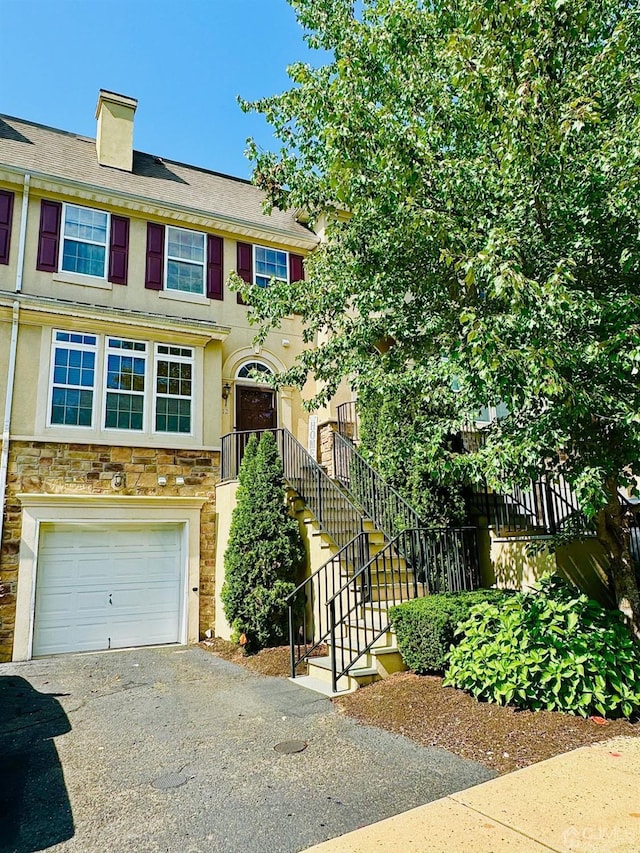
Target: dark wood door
255,409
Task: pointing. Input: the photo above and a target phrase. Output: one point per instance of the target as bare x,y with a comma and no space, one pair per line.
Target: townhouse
124,359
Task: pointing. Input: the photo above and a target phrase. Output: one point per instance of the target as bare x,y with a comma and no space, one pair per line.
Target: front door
255,408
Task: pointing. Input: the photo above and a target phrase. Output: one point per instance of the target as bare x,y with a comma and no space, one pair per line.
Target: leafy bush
265,553
551,648
425,626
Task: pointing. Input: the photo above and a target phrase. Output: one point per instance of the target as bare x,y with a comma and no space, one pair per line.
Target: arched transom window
254,371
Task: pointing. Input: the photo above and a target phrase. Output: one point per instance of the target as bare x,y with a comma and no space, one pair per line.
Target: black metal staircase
385,554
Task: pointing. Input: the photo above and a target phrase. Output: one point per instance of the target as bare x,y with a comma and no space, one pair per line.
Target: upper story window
84,240
270,263
260,265
133,384
185,261
488,414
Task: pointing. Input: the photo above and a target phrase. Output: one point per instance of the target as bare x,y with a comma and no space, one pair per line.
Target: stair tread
354,671
373,650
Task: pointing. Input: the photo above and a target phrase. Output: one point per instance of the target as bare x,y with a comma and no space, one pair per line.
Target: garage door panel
105,586
67,602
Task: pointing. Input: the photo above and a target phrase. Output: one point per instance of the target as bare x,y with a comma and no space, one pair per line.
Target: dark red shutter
154,273
244,266
214,267
296,269
6,214
119,250
49,239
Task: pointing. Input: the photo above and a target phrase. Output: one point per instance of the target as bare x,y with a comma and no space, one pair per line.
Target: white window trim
257,246
95,348
157,356
104,276
167,258
107,350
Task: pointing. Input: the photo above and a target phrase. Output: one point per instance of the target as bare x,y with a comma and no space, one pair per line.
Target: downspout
23,232
11,372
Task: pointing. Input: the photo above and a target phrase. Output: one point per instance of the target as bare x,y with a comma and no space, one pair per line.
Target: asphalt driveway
172,749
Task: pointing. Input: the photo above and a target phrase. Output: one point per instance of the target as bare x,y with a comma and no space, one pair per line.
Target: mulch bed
418,707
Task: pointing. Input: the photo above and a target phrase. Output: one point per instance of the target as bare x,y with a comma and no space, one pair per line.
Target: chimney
114,140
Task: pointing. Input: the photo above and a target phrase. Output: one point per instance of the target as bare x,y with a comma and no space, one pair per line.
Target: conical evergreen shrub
265,554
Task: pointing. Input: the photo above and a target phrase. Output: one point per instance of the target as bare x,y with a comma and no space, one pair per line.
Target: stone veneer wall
89,469
325,445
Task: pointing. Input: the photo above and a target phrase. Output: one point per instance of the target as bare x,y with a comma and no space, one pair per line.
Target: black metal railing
348,421
333,510
389,511
548,506
309,626
417,562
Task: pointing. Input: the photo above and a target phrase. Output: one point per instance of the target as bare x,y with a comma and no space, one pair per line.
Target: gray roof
57,153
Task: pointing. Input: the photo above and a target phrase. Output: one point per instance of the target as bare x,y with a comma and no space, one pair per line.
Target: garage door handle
110,594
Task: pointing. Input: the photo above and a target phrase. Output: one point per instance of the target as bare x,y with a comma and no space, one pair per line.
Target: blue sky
184,61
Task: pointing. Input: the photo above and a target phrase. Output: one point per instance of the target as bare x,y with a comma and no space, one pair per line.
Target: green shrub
551,648
425,626
265,553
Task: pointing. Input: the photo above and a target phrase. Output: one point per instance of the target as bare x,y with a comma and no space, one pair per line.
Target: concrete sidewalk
585,801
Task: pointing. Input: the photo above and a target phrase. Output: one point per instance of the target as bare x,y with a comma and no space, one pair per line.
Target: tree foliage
394,438
478,164
265,554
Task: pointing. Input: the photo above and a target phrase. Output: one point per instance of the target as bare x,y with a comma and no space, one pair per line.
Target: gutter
106,195
11,372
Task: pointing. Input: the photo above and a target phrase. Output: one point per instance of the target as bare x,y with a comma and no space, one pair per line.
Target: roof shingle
57,153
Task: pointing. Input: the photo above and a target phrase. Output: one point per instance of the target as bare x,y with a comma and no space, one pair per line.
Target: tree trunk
614,534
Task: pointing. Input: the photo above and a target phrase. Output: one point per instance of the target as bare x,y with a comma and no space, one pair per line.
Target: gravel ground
419,708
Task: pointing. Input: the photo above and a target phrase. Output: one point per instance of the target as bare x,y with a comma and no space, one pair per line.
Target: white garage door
107,586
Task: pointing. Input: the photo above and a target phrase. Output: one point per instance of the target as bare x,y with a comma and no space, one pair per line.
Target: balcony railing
547,507
348,421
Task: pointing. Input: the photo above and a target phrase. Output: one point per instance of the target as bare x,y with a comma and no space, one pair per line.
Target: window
270,263
250,368
84,240
131,398
125,384
174,376
185,261
488,414
73,379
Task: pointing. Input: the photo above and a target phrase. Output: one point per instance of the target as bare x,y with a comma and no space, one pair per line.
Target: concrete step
320,686
320,669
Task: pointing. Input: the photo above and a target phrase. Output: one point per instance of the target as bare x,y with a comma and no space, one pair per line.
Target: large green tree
479,163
